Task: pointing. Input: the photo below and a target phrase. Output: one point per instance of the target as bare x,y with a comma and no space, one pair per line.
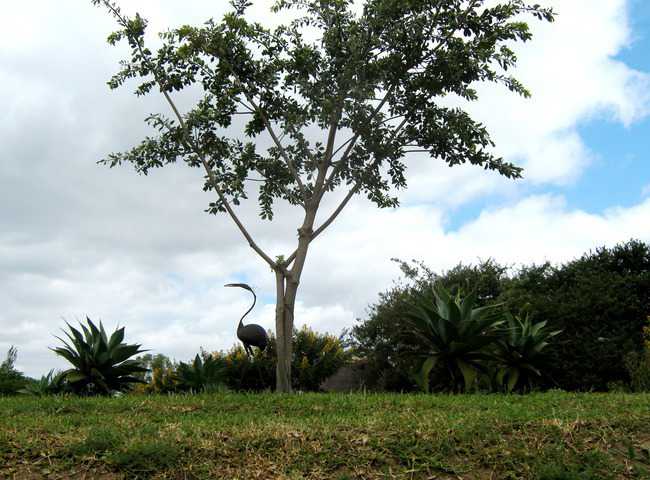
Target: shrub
638,364
315,358
11,380
100,364
379,337
599,301
254,373
160,376
204,373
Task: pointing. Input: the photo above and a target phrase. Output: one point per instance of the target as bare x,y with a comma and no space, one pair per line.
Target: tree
371,75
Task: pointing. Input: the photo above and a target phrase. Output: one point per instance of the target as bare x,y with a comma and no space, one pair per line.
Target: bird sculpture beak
240,285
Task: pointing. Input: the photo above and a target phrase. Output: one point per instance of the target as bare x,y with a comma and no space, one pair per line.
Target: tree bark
283,348
286,291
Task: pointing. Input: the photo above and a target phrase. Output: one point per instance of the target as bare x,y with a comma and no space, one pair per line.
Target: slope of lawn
552,435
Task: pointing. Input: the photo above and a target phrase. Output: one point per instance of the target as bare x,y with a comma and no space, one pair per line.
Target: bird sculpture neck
241,320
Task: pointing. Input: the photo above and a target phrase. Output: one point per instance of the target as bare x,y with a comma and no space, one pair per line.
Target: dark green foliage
379,338
599,301
638,368
315,358
520,356
637,364
101,364
51,384
11,380
244,373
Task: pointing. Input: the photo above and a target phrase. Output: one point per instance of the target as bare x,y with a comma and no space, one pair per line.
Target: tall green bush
638,364
600,302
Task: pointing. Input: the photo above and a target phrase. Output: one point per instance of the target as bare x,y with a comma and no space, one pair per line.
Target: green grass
550,436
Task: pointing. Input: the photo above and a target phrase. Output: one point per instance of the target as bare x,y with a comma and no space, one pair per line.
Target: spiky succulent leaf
100,365
519,352
454,332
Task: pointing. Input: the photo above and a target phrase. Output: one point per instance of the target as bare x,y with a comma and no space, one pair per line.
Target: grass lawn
335,436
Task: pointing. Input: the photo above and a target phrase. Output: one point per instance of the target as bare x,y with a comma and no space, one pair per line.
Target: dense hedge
601,302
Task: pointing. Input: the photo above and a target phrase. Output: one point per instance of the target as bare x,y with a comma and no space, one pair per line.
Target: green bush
315,357
205,373
160,375
11,380
599,302
249,373
379,338
638,364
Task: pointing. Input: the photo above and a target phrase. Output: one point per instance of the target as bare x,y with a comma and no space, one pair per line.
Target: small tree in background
11,380
371,83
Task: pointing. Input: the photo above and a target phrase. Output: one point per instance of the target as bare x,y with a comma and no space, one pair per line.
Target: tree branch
278,144
188,142
354,139
336,212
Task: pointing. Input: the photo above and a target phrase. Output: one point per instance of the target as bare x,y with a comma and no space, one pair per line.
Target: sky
78,239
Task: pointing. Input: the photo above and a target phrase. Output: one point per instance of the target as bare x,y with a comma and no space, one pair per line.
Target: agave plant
452,335
520,354
50,384
101,364
204,373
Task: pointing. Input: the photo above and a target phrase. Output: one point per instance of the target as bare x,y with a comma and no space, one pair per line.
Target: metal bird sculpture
251,335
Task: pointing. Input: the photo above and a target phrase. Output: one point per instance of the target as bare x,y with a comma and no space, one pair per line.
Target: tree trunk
286,290
283,347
